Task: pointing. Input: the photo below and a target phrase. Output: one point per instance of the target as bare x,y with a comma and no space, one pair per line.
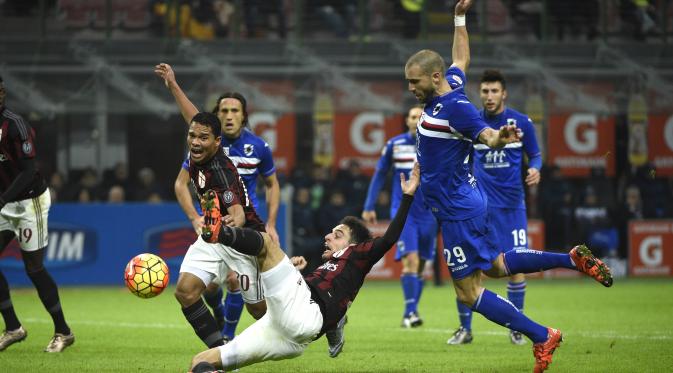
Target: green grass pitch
626,328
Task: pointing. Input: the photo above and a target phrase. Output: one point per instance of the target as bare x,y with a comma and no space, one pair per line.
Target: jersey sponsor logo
169,241
27,147
248,149
329,266
228,196
69,246
496,159
202,180
437,109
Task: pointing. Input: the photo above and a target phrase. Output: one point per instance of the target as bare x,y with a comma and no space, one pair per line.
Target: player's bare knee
186,296
256,310
410,263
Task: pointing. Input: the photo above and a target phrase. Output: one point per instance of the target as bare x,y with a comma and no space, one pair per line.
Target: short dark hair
237,96
209,119
359,230
490,76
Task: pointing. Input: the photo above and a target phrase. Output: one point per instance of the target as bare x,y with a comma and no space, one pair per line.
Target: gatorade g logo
580,133
366,132
264,125
668,133
650,251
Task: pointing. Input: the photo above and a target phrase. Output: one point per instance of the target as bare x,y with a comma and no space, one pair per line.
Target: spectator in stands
333,210
87,188
56,186
147,187
641,15
382,206
258,12
410,14
593,224
557,205
321,181
574,17
630,209
116,194
338,14
118,176
656,193
306,239
354,184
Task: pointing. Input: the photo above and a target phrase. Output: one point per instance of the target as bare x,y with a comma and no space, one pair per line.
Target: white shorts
291,322
212,262
28,220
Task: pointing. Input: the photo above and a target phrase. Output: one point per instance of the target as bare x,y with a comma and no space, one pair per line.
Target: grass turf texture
626,328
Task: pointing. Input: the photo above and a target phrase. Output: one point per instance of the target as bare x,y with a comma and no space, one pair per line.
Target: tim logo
170,241
69,246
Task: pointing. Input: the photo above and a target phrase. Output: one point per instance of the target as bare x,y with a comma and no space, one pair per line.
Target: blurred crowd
352,19
114,186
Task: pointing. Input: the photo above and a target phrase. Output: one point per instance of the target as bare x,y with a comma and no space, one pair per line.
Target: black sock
6,307
244,240
203,367
204,323
48,292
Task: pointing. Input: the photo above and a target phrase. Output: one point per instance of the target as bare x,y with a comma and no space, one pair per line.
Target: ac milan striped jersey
17,142
219,174
252,157
446,131
335,284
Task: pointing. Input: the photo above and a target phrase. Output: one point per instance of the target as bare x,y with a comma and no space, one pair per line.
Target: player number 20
458,254
519,237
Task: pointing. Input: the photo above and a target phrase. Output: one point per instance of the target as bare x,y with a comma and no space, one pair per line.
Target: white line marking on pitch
120,324
599,334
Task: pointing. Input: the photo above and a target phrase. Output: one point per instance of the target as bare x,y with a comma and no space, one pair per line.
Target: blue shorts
418,236
510,227
469,245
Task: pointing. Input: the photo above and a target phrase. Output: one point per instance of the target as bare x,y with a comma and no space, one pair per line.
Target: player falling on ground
300,309
498,172
449,126
252,157
211,171
417,241
24,211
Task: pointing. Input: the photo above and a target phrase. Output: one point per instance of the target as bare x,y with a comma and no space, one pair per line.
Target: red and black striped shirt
220,175
17,144
335,284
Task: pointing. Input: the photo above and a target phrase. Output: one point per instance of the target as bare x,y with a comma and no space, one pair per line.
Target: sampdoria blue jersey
499,170
399,152
252,157
446,130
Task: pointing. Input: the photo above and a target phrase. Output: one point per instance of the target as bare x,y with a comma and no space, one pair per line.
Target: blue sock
516,291
233,306
501,311
410,289
421,282
214,300
530,261
465,315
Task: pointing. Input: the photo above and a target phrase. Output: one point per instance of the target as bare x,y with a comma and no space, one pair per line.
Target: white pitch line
119,324
610,334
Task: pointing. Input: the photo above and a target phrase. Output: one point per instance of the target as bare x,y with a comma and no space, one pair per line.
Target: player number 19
519,237
457,253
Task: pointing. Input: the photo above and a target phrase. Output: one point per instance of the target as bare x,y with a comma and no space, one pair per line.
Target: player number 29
458,254
519,237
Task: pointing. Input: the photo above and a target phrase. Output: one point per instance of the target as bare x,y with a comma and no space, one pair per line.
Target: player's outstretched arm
184,198
394,230
497,139
165,72
460,53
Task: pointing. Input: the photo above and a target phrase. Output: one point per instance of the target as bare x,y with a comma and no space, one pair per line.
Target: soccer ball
146,275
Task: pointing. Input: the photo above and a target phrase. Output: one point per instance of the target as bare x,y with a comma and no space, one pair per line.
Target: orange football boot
586,262
543,351
212,217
